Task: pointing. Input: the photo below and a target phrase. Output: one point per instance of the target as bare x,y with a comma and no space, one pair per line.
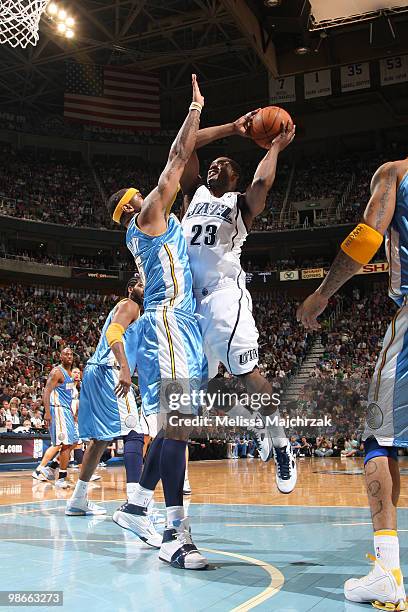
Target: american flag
111,96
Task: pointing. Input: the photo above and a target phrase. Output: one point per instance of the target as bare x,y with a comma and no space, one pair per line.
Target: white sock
80,491
141,496
386,548
279,442
174,514
131,488
186,473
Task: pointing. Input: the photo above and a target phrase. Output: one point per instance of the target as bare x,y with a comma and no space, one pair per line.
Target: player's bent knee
373,449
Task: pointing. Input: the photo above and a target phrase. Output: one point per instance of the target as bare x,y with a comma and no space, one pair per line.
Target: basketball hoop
20,20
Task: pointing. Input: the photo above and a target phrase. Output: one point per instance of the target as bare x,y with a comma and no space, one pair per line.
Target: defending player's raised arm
359,247
152,217
54,379
126,312
255,195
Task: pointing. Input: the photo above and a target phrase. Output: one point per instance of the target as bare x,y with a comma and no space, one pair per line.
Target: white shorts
228,327
387,413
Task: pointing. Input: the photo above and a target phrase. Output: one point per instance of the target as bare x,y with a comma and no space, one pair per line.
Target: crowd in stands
106,260
52,187
338,385
36,322
58,187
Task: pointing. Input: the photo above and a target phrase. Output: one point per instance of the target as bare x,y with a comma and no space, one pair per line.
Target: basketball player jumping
170,354
387,417
57,399
216,223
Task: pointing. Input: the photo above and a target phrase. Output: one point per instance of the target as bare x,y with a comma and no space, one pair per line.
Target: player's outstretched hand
197,97
124,382
242,126
311,308
285,137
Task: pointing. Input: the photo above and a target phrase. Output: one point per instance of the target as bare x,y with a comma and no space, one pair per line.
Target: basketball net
20,20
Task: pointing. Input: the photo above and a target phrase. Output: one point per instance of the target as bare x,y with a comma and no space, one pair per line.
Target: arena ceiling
231,44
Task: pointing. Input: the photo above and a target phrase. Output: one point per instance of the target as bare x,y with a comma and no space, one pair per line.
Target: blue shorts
373,449
170,361
63,429
102,415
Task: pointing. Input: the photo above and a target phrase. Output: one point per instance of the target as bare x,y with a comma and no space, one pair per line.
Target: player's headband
125,199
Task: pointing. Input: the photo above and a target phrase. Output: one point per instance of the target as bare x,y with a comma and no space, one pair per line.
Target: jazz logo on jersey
248,356
210,209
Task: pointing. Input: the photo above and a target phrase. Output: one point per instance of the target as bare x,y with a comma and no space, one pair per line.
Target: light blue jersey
396,245
62,419
103,354
62,394
170,347
102,414
163,265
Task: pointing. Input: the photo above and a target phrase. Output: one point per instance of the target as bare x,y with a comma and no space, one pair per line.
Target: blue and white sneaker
137,520
85,508
178,548
286,470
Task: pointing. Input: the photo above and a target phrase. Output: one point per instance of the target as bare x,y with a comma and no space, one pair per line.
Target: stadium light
52,9
63,22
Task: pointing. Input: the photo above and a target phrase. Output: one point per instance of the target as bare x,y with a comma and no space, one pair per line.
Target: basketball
266,125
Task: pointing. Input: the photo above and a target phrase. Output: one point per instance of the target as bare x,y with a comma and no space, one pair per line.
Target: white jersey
215,232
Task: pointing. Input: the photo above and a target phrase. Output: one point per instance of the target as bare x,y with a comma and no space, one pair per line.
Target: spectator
323,447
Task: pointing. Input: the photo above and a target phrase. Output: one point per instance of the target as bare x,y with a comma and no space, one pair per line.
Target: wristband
362,243
196,106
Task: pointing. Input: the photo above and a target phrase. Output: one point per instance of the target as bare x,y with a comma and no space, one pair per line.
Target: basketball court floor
267,551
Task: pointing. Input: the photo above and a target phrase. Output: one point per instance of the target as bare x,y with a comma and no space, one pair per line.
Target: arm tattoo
342,269
184,144
388,182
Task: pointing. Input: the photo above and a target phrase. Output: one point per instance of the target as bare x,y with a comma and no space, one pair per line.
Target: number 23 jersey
215,232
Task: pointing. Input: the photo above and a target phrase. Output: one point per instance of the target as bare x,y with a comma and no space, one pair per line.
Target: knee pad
373,449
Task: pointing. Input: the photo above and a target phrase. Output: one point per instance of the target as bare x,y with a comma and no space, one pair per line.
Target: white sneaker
47,473
61,483
95,477
286,470
263,438
38,475
381,587
83,507
179,550
186,487
136,519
